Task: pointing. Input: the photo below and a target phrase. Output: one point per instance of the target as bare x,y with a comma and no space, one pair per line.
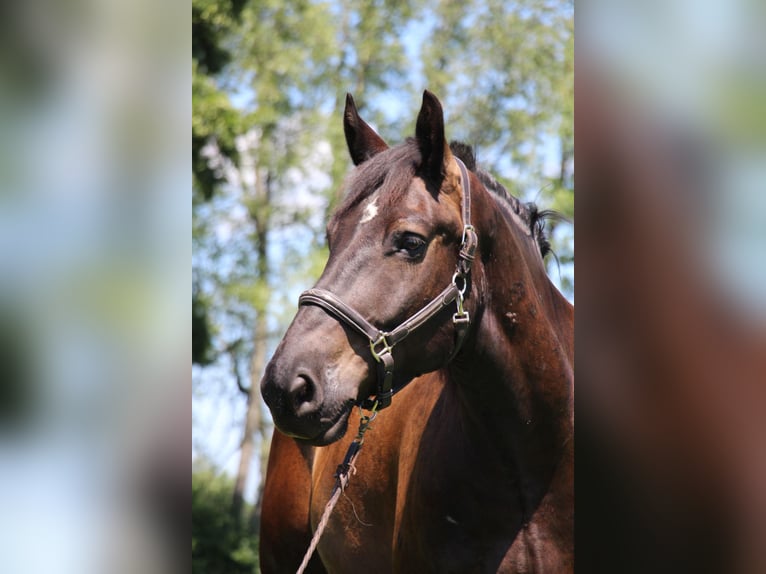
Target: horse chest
457,522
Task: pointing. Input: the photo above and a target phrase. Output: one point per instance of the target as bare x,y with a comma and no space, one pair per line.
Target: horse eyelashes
413,246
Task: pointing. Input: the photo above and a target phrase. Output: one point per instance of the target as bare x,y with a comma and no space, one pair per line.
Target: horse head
395,245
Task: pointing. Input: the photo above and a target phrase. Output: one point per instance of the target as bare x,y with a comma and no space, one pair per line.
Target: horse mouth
333,428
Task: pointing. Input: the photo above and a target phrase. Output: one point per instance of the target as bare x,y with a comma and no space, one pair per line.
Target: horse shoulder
365,524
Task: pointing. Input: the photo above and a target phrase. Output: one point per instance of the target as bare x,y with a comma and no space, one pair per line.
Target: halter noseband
383,342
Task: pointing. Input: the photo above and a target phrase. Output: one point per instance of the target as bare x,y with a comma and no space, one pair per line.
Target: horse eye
411,245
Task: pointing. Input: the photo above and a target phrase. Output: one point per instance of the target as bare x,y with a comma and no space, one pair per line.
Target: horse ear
362,141
429,133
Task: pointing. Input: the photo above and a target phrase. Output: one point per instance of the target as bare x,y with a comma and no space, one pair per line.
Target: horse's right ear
362,141
429,133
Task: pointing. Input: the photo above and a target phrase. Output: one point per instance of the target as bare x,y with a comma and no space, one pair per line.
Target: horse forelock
392,170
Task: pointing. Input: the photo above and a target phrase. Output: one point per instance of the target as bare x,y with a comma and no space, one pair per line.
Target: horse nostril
302,392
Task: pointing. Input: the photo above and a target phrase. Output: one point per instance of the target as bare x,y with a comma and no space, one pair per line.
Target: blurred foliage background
220,545
268,157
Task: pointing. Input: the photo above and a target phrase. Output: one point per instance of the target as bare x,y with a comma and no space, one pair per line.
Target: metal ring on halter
461,290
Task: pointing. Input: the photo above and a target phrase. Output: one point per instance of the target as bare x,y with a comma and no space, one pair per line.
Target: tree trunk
255,516
253,433
247,447
566,154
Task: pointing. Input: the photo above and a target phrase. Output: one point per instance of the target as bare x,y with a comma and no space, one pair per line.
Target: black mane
534,217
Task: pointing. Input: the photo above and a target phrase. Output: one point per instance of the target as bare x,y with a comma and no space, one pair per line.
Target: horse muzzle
310,404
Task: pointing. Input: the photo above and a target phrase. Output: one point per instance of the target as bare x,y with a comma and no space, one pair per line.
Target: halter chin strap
382,343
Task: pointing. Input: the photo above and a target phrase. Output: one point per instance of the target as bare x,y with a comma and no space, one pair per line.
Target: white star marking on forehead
370,211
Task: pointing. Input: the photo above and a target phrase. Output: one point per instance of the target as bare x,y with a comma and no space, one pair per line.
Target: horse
435,309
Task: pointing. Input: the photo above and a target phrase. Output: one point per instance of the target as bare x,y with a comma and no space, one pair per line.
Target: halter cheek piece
382,343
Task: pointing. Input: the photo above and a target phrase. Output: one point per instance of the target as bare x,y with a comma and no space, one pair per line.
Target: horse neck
515,378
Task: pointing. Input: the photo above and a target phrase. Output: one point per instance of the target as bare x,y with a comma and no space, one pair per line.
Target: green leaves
219,544
212,23
214,121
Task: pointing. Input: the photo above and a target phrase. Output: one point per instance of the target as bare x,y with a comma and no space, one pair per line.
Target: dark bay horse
470,468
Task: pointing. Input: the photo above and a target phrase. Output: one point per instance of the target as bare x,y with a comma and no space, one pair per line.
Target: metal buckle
464,318
462,315
386,348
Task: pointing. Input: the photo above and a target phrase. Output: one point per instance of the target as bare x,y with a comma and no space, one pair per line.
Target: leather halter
383,342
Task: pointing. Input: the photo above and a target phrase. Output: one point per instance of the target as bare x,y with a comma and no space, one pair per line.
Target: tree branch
231,349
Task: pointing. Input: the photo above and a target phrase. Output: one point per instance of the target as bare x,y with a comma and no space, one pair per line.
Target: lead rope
342,475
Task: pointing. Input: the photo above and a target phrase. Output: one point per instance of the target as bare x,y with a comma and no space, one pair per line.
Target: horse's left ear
429,133
362,141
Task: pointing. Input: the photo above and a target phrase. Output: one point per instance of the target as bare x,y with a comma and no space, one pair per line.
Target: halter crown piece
382,343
